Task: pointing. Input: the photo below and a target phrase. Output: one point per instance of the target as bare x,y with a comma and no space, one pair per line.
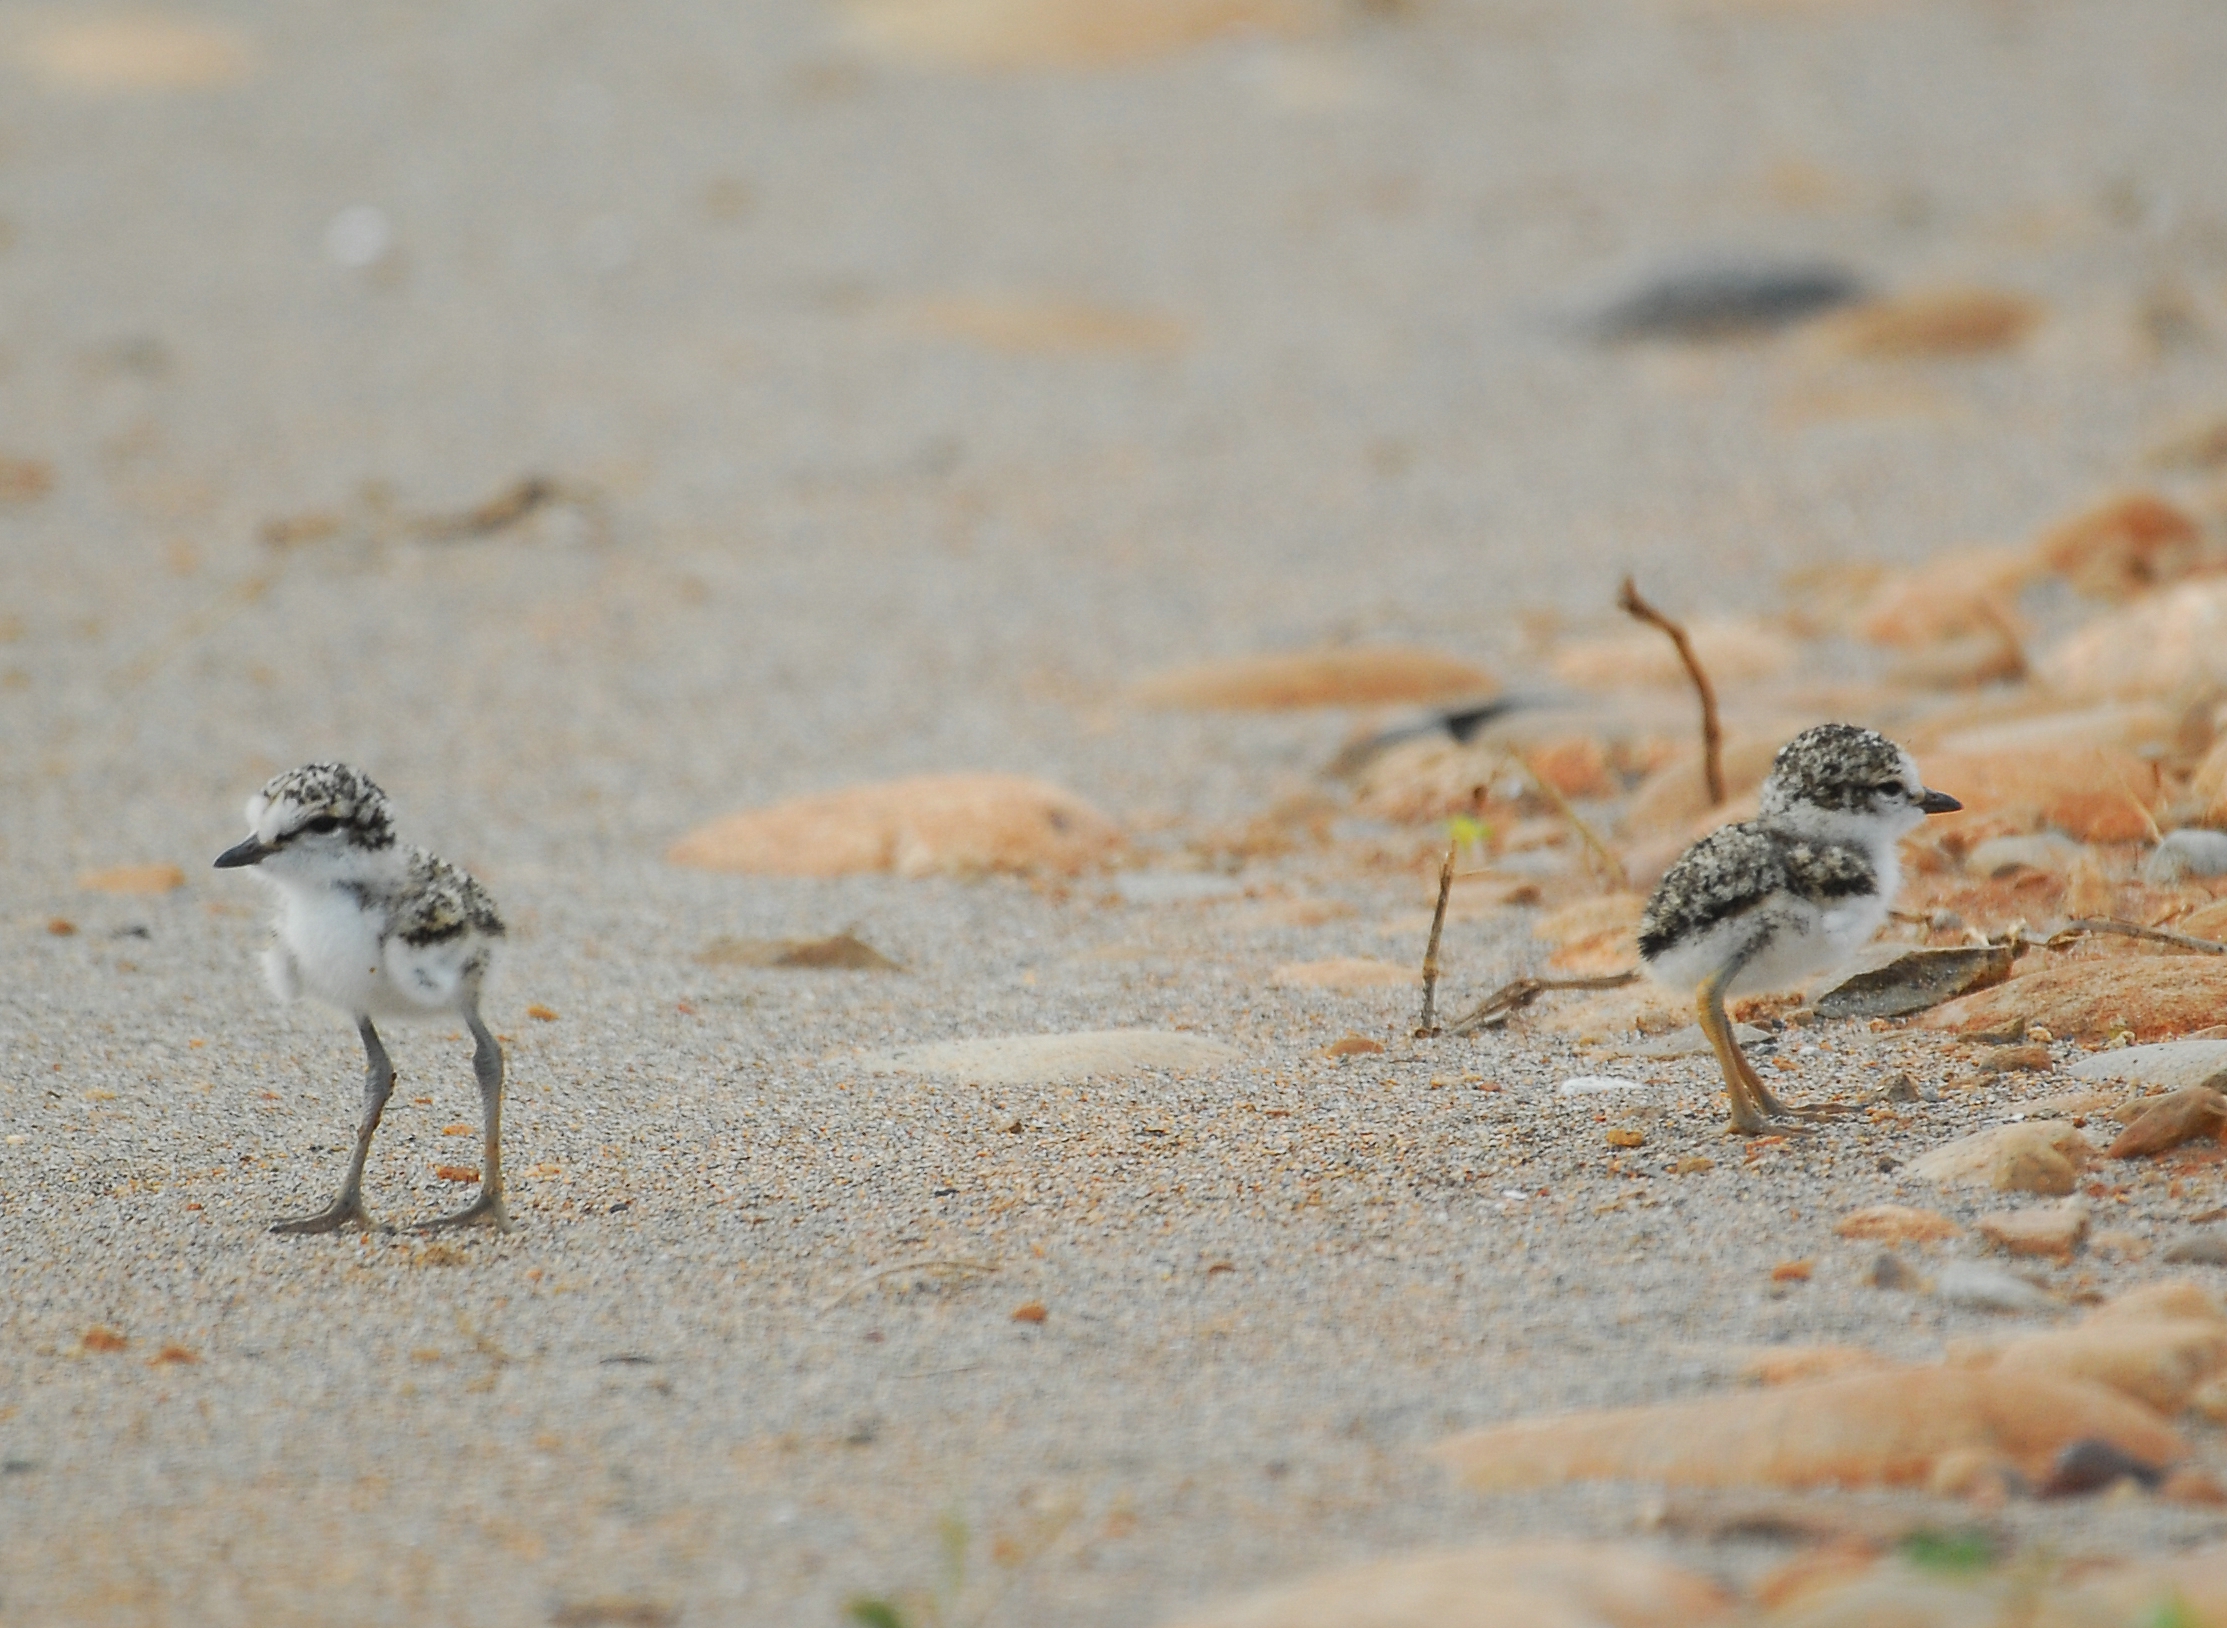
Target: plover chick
1794,892
374,929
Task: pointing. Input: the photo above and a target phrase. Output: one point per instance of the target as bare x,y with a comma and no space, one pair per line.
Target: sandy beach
894,404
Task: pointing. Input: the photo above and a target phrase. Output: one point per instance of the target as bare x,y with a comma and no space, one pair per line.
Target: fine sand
902,415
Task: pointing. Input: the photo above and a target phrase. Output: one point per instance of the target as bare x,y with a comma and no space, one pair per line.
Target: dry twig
1509,999
2127,929
1586,834
1427,1025
1712,737
868,1279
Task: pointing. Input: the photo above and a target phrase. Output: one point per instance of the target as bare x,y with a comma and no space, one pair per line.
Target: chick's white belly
334,953
1786,942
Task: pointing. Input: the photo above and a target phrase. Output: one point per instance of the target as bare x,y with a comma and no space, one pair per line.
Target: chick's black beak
250,852
1933,802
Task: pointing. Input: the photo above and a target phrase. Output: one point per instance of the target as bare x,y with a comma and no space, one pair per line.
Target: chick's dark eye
320,825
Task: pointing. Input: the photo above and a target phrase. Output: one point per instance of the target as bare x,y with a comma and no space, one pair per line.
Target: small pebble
1988,1288
2206,1248
2094,1464
1725,300
2184,854
1890,1271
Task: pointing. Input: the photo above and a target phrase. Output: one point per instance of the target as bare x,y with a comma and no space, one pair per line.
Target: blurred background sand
905,380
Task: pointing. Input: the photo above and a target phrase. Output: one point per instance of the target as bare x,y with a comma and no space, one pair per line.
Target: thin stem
1427,1026
1712,737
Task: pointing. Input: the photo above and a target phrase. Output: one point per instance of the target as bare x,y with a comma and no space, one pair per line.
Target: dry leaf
2161,644
2151,997
2054,1231
2158,1363
1044,327
541,1014
1730,652
1343,972
842,952
1033,1312
1675,798
1352,1045
133,879
1949,322
1799,1364
1916,981
1969,591
2173,1300
1021,34
1345,676
1864,1430
2090,793
137,52
1898,1224
1535,1584
951,824
2124,547
455,1172
2166,1122
103,1339
24,480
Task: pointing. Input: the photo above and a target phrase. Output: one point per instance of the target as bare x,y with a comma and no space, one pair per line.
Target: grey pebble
2206,1248
1988,1288
2183,854
2167,1065
1891,1271
1725,300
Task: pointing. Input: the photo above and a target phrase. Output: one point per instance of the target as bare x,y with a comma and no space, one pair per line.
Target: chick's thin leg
1747,1116
487,1064
347,1208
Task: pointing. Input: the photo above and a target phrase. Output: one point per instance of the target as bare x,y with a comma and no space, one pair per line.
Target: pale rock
2169,1065
2032,1157
1988,1288
2053,1230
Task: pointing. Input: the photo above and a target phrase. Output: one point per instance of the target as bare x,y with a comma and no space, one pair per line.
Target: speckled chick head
320,808
1844,781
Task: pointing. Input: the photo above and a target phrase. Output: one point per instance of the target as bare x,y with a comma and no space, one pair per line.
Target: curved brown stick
1427,1025
1712,737
2128,929
1509,999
